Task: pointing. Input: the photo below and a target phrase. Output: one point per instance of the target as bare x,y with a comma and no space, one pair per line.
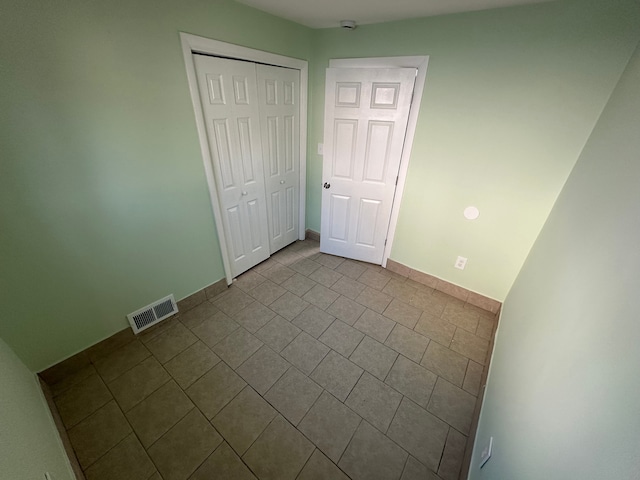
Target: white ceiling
328,13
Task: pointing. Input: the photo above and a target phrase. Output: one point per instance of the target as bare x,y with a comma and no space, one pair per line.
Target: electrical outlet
461,262
486,452
320,149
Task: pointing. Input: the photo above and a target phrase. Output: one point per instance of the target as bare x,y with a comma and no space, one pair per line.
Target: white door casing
279,105
366,114
229,96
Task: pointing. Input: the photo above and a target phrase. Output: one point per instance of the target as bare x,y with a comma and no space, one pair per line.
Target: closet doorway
250,109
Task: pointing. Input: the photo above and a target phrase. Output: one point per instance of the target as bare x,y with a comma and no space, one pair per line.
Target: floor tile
470,346
399,290
461,317
191,364
299,284
372,456
305,352
289,306
232,301
403,313
320,296
183,448
373,299
313,320
81,400
248,281
453,455
279,453
444,362
123,359
329,261
320,467
346,310
341,337
435,328
374,325
98,433
374,401
412,380
325,276
215,328
243,419
278,273
414,470
407,342
418,432
254,316
350,269
158,329
263,369
305,266
373,279
330,425
427,301
337,374
172,342
348,287
267,292
485,328
237,347
265,265
126,461
374,357
293,395
73,379
473,378
157,413
278,333
453,405
138,383
223,464
198,314
109,345
286,257
215,389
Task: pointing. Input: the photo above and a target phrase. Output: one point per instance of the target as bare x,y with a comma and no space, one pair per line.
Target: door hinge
385,242
397,180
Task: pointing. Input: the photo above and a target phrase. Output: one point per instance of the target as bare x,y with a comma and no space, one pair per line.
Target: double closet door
252,117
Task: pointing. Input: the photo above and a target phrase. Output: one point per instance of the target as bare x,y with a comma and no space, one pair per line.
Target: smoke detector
348,24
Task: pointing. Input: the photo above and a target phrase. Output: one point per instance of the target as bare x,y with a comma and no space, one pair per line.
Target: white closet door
279,97
229,97
365,121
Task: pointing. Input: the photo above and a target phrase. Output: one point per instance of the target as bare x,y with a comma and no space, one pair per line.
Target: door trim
195,44
420,63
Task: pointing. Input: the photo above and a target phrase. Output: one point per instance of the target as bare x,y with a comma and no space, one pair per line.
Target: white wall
29,442
563,396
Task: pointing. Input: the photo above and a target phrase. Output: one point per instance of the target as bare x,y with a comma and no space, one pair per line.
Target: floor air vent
152,314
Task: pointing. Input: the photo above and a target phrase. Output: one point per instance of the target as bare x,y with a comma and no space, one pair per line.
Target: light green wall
510,98
563,395
29,441
103,200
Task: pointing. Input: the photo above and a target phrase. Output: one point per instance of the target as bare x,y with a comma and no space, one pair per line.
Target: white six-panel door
229,97
279,99
366,114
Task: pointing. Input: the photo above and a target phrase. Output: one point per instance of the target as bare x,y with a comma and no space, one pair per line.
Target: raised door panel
229,97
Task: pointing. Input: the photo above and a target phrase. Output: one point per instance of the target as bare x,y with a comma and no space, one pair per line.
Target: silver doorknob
282,182
245,193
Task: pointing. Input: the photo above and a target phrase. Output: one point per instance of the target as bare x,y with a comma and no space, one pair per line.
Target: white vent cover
152,314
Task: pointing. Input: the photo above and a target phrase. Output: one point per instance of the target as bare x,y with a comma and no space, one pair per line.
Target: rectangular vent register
152,314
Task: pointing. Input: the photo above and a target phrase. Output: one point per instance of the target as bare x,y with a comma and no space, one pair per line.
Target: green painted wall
511,97
562,396
103,200
29,441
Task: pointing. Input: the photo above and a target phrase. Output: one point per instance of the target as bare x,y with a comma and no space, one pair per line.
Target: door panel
229,97
366,115
279,96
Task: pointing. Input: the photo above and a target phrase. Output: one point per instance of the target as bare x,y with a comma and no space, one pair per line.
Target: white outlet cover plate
461,262
486,452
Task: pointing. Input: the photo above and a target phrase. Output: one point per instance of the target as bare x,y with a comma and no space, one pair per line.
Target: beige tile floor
309,367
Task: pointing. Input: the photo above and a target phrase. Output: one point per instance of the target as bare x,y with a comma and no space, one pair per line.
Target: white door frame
195,44
420,63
